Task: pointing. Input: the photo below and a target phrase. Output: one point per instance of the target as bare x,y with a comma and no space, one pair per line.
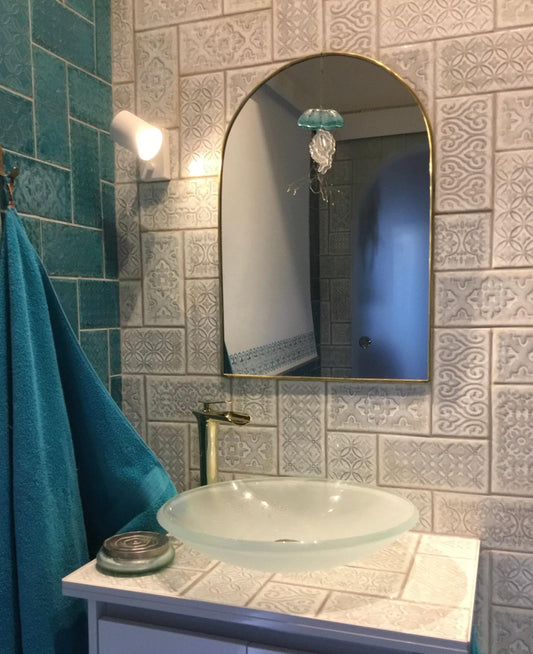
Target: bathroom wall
460,447
55,104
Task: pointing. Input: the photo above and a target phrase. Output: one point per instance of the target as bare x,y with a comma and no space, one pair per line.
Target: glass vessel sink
287,524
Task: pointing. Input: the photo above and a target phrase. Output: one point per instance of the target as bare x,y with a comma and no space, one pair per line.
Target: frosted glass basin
287,524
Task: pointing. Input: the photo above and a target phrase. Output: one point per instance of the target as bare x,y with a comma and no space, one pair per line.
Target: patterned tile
284,598
386,408
351,26
201,253
449,546
512,576
352,457
125,165
160,12
513,355
122,67
15,48
248,449
513,12
462,241
156,56
86,197
404,22
234,6
481,63
153,351
395,557
128,237
484,299
180,204
461,365
258,398
239,40
186,557
500,522
481,617
512,631
464,154
202,124
63,246
301,428
99,304
423,501
133,403
228,584
512,450
102,25
239,83
297,28
173,398
202,322
170,442
131,307
513,209
443,463
90,100
514,112
163,285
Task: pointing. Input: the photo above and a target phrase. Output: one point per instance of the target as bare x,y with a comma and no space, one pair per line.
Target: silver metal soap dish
135,552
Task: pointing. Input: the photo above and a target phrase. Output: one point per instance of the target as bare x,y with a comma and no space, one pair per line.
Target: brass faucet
208,420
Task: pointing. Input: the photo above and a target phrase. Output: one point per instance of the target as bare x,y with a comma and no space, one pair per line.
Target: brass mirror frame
431,226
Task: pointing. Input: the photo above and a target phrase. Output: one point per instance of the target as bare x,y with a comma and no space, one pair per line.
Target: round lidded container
135,552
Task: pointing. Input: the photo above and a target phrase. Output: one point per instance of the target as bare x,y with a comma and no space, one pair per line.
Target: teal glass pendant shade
321,119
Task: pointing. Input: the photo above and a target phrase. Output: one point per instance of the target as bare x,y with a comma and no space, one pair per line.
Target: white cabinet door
123,637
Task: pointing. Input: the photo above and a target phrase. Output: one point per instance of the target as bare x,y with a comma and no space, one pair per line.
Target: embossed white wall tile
462,241
301,428
258,398
241,82
248,449
513,12
484,298
512,579
234,6
464,154
202,124
163,278
297,28
201,253
122,61
228,584
481,618
123,97
512,631
513,209
423,501
156,59
174,152
239,40
170,442
513,356
158,13
352,456
402,21
128,238
131,306
451,547
401,408
512,449
285,598
395,557
351,26
153,351
461,378
202,322
514,115
485,62
133,403
439,463
501,522
179,204
172,399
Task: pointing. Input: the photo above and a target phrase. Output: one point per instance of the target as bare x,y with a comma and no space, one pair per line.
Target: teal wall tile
70,251
94,345
99,304
114,352
16,122
63,32
110,231
15,53
33,230
102,21
85,175
107,158
51,113
116,390
89,99
67,292
83,7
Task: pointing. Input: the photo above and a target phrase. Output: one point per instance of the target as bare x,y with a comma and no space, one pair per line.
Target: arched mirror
325,226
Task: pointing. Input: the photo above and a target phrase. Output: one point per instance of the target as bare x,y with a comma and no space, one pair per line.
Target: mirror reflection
325,273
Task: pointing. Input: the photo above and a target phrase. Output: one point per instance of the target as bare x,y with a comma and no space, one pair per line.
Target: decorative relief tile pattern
153,351
127,220
462,241
404,21
442,463
240,40
449,546
234,6
423,501
297,28
170,442
482,604
512,451
395,557
248,449
512,631
350,26
173,398
513,12
363,407
201,253
512,576
513,355
239,83
282,598
513,209
461,382
122,41
258,398
464,153
514,111
133,404
228,584
157,13
131,308
203,351
352,457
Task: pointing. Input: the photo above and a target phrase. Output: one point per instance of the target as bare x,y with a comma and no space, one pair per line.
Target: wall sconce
149,143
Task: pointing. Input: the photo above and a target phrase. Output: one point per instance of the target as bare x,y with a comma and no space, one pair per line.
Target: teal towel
72,469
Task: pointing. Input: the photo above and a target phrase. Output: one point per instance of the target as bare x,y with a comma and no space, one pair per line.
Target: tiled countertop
422,584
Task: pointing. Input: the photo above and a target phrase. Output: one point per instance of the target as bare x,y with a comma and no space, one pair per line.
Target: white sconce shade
149,143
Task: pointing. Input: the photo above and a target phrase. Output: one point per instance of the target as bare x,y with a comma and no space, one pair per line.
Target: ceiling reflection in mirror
327,275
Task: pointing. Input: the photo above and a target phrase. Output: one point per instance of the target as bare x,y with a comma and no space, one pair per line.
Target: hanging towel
72,469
